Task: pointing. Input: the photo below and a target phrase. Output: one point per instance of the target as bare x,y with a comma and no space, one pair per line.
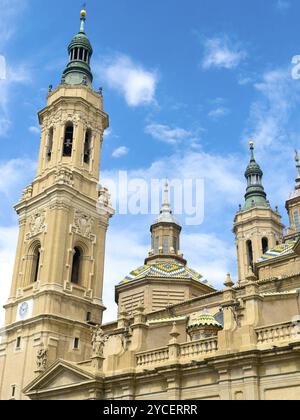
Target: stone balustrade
192,349
149,358
198,348
278,333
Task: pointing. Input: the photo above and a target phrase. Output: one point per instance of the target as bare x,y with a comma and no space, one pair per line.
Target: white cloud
120,152
278,94
14,174
121,258
133,81
221,52
167,134
5,125
283,5
218,113
210,256
34,130
19,74
8,243
11,11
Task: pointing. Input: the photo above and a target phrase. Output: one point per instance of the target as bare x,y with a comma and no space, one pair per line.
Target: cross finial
82,17
251,144
166,192
297,160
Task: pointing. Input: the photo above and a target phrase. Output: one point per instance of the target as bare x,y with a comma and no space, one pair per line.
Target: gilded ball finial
83,13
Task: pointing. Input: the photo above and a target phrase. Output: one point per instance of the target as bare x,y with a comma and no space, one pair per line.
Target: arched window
36,256
265,245
50,143
155,244
166,246
68,140
175,244
87,146
250,253
76,266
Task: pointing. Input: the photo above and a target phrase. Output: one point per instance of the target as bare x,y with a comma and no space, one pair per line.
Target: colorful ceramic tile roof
164,270
204,319
284,293
173,319
279,251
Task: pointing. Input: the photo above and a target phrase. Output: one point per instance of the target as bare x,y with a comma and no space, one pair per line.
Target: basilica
175,337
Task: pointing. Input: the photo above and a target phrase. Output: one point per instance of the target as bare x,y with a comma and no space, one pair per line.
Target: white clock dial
23,309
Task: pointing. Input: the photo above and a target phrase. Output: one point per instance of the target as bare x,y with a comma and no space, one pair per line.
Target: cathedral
175,337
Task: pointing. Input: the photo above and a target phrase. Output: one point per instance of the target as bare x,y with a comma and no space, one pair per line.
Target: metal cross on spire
82,17
297,160
166,192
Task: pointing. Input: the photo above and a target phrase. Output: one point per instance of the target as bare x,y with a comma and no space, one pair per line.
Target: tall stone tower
293,205
56,291
257,227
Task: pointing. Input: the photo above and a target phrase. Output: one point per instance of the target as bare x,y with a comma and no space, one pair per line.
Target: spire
82,18
166,214
255,194
78,71
297,160
165,232
251,144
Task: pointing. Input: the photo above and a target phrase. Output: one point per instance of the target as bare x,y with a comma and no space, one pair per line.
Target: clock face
23,309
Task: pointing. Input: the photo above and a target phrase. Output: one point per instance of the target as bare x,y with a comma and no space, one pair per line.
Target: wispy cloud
11,11
218,113
8,243
12,176
277,96
121,73
282,5
221,52
120,152
34,130
169,135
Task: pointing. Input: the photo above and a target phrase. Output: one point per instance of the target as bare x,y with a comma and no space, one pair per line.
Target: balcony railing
191,350
278,333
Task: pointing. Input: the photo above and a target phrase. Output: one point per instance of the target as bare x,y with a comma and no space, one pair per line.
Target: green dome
78,71
204,320
255,193
253,169
80,40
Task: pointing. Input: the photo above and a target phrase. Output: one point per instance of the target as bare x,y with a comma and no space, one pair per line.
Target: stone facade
175,336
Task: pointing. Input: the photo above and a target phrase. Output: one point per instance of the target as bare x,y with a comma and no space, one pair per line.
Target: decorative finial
251,144
82,17
297,160
228,282
166,192
174,334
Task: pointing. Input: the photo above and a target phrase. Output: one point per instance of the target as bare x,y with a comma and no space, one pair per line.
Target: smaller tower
164,279
78,70
257,227
293,205
165,234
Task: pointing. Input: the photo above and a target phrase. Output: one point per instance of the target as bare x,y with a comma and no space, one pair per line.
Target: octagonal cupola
78,70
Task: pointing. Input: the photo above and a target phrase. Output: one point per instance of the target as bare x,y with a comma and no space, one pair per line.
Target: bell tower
56,292
293,205
257,227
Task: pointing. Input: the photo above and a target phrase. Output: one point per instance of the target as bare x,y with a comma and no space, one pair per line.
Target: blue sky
186,84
